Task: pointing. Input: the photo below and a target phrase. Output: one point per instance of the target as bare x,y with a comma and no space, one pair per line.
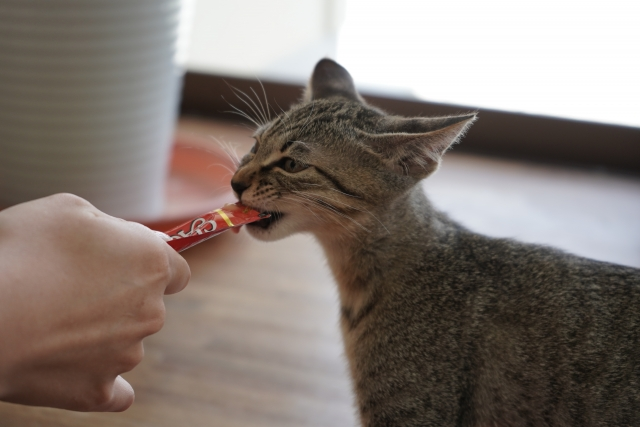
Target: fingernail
163,236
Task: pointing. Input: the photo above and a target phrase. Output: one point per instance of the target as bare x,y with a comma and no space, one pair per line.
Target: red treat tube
211,224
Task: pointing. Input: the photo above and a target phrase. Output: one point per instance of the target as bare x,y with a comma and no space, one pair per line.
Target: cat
441,326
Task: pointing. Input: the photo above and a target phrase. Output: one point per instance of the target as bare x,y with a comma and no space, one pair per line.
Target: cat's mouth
267,222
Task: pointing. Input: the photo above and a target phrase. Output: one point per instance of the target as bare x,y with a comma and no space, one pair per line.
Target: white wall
569,58
277,39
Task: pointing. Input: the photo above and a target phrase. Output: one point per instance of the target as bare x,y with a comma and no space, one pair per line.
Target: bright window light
565,58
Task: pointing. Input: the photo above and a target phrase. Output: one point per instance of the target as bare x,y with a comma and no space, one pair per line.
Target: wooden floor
253,340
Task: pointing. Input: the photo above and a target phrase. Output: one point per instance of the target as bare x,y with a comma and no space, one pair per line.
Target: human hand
79,290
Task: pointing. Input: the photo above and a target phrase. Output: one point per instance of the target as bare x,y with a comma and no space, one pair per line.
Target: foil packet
211,224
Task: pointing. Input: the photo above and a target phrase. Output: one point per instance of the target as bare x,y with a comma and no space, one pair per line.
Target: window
554,80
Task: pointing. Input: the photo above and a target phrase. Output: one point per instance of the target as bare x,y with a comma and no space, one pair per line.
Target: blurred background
555,84
563,58
554,159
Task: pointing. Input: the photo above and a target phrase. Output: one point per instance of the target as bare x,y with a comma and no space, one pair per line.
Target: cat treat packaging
211,224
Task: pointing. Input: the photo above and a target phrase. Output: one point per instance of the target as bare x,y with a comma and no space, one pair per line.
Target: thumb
122,397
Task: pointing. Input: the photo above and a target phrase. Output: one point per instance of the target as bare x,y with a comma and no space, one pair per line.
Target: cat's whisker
288,120
216,153
363,210
228,149
344,203
262,108
218,190
258,116
235,90
332,219
231,171
323,202
266,101
331,208
338,201
244,125
256,119
254,108
335,211
282,110
289,123
233,152
306,206
305,201
241,113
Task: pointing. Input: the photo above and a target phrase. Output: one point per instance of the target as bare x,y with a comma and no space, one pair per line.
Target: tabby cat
441,326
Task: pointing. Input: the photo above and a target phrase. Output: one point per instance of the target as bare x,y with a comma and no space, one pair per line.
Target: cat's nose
239,187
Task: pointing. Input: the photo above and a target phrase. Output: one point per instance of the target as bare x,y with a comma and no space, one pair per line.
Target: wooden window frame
496,133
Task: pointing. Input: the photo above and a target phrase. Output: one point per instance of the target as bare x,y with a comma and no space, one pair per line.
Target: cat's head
328,162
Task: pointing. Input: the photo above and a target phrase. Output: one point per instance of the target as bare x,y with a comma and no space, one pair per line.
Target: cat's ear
414,146
331,79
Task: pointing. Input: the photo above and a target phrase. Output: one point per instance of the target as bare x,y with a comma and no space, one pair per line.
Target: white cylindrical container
88,100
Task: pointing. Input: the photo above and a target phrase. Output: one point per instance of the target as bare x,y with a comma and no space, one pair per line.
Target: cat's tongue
210,224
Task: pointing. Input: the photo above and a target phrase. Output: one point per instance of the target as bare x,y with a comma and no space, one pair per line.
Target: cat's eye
292,166
254,149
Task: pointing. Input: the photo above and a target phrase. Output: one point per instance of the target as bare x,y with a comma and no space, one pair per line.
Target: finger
122,398
180,273
236,230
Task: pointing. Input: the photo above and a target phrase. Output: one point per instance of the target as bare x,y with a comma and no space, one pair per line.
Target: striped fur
441,326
